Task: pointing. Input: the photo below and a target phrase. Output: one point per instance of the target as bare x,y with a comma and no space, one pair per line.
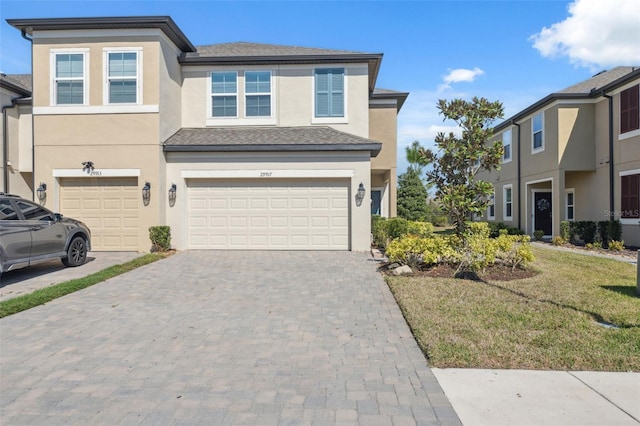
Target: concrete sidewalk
519,397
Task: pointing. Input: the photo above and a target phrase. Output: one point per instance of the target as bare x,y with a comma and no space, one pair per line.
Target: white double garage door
273,214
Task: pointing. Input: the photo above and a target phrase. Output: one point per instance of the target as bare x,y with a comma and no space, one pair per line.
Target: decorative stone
402,270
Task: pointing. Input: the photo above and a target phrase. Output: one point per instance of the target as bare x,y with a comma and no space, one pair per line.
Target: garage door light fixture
42,192
360,194
172,195
146,193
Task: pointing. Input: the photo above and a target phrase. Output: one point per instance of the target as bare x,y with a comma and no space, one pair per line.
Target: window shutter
629,109
337,92
322,92
630,196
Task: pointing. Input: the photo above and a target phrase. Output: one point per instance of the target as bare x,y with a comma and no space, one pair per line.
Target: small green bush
379,231
586,229
160,238
558,241
420,229
615,230
514,250
538,234
594,245
497,228
565,230
616,245
396,227
415,251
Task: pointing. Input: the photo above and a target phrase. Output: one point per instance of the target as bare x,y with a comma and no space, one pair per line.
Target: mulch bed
496,272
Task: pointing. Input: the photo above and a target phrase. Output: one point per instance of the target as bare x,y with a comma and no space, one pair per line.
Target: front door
542,212
376,201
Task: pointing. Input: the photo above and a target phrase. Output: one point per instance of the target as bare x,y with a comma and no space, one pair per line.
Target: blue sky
513,51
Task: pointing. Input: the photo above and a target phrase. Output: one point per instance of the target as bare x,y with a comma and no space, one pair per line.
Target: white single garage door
109,207
268,214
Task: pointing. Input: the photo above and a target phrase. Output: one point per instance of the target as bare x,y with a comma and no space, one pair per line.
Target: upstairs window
491,209
537,136
69,79
257,88
629,109
224,94
329,92
122,77
506,146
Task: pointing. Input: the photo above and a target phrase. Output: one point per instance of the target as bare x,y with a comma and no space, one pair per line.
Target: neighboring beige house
237,145
574,155
16,159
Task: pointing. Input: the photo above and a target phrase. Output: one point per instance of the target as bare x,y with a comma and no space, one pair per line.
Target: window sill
329,120
629,135
98,109
228,121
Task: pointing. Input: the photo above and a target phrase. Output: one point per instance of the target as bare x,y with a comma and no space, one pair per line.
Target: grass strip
554,320
47,294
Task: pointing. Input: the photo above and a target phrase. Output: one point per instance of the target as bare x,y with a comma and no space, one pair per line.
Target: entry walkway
222,338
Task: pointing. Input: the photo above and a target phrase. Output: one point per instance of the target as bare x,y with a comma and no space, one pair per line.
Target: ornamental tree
412,196
457,160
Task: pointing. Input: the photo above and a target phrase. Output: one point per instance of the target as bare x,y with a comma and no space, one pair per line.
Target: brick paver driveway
222,338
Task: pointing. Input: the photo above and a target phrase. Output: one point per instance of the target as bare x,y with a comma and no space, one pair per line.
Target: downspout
611,167
519,179
5,145
33,130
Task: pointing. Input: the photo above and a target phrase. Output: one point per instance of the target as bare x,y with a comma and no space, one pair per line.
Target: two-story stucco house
234,145
573,155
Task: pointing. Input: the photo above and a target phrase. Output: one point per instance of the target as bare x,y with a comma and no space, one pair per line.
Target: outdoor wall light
172,195
42,192
360,194
87,166
146,193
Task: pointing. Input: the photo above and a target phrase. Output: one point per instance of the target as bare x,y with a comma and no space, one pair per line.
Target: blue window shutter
322,92
329,92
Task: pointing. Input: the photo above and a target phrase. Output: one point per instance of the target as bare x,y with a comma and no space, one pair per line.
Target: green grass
47,294
549,321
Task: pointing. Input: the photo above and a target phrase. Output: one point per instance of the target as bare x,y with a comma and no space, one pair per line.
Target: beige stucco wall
357,162
96,72
294,97
383,127
18,138
576,137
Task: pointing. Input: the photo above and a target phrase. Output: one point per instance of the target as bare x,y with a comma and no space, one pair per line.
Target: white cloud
460,75
596,34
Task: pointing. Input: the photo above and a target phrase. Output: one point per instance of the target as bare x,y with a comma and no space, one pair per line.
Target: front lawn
549,321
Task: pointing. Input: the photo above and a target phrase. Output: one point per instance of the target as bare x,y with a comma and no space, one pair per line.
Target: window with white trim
630,109
570,205
69,71
257,89
630,196
507,202
123,78
329,92
224,94
506,146
537,134
491,209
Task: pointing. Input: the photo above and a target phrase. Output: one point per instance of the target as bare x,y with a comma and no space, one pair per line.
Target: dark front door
376,199
542,209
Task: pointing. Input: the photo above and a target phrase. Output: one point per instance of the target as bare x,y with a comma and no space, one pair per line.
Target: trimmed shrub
565,230
396,227
420,229
160,237
514,250
615,230
603,232
497,227
616,245
558,241
586,230
379,231
538,234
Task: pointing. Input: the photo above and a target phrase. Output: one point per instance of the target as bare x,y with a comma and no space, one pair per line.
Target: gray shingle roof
320,138
260,49
599,80
21,82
